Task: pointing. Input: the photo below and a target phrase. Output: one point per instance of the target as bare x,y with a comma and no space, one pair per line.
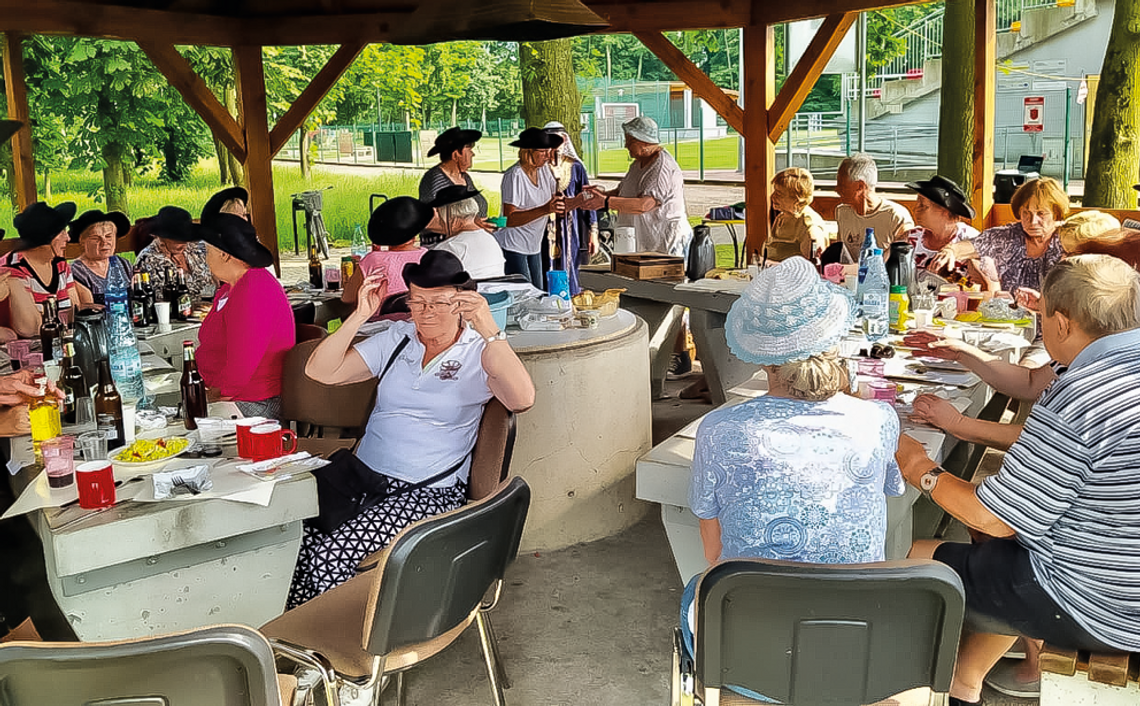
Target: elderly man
457,211
860,207
1065,566
651,195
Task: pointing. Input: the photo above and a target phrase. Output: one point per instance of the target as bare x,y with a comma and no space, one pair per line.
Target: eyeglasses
421,305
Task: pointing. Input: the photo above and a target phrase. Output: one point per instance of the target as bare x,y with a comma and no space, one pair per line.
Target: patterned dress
1006,246
153,260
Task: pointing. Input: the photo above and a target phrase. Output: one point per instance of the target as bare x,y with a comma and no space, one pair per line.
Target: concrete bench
1072,678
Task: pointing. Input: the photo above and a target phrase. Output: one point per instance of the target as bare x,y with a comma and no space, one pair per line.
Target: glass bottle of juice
43,415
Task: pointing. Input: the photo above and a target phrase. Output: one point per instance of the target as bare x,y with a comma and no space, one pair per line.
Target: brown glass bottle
109,408
316,272
194,401
50,330
183,306
71,382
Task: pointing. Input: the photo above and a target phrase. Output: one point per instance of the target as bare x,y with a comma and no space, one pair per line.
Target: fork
181,484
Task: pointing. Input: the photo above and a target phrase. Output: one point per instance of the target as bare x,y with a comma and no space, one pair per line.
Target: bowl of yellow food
149,454
606,303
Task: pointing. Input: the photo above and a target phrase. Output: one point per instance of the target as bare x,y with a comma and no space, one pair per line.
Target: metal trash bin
1006,181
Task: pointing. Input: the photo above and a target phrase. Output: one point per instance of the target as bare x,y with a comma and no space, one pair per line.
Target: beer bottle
149,298
50,330
184,304
71,382
316,272
109,408
170,290
193,388
138,303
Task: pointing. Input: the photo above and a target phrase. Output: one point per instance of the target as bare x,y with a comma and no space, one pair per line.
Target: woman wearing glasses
436,373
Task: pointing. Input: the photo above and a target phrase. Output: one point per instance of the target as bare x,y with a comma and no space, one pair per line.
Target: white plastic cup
129,422
625,239
923,318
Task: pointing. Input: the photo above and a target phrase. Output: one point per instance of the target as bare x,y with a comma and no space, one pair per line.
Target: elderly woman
456,149
394,225
476,249
37,259
177,243
530,195
250,328
938,213
802,473
233,200
573,237
437,372
1022,253
798,229
98,233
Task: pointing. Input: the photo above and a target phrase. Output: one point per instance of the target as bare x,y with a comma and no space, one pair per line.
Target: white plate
142,466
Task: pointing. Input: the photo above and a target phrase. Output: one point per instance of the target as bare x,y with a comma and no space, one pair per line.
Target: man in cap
651,195
860,207
939,211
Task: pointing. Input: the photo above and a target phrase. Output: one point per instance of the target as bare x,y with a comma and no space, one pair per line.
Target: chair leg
675,681
504,680
490,655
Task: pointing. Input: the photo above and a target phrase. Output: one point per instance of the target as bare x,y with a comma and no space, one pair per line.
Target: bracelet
606,204
499,335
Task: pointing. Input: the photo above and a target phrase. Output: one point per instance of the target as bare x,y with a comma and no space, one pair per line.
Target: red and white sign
1034,114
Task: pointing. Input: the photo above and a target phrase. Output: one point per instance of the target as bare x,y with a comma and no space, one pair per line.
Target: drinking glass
93,445
59,460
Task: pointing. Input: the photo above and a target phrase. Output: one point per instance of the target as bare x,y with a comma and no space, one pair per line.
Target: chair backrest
222,665
303,399
304,313
438,569
491,457
828,633
311,332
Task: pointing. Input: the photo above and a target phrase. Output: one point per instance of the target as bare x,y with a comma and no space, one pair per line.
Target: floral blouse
154,261
1006,246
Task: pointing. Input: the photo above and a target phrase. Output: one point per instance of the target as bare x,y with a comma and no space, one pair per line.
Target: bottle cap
898,289
188,343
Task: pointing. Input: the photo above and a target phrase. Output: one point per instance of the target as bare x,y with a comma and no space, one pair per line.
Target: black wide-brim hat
214,206
437,268
174,223
236,236
535,138
89,218
452,194
454,138
9,128
39,223
945,193
398,220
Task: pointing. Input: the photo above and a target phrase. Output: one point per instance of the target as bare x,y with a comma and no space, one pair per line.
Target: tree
288,71
215,65
550,91
382,85
1114,142
447,72
956,113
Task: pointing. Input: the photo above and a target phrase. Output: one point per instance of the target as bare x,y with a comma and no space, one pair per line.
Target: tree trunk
1114,141
956,115
115,157
454,111
306,145
47,185
223,162
236,170
550,91
9,170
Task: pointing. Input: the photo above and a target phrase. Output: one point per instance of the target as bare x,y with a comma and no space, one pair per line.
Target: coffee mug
268,441
95,481
244,442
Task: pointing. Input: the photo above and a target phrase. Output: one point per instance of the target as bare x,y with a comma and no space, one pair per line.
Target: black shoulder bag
347,486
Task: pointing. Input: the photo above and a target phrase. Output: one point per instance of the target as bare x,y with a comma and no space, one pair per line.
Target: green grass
345,205
721,153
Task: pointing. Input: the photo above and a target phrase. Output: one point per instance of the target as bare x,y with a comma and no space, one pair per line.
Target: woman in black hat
394,225
939,215
177,244
250,328
530,196
477,249
439,370
233,200
98,233
38,256
456,149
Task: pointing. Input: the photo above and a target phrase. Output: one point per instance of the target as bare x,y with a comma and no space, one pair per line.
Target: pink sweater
244,338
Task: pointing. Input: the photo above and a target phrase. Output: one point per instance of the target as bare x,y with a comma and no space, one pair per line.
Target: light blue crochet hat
788,313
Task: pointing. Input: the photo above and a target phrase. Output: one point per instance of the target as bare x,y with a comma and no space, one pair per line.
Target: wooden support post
197,95
807,71
985,56
693,77
259,161
23,164
759,58
293,118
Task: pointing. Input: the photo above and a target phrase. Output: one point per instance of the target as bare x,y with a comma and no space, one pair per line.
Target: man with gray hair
860,207
457,213
1064,561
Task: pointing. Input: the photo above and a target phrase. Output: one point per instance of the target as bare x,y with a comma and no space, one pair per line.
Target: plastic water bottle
874,297
864,253
360,244
126,366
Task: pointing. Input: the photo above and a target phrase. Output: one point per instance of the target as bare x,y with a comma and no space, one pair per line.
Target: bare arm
335,361
949,256
710,539
83,294
517,217
1011,379
26,318
633,204
939,413
507,378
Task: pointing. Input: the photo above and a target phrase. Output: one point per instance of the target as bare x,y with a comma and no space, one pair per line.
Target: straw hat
642,129
788,313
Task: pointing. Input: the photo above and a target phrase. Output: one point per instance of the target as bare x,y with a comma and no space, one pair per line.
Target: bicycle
311,203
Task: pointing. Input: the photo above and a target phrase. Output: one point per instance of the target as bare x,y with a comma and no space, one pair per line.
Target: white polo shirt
478,251
426,418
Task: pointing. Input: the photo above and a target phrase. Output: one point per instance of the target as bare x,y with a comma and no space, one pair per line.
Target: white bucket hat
788,313
642,129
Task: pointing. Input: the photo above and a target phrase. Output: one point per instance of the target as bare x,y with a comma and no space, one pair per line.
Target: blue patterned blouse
796,480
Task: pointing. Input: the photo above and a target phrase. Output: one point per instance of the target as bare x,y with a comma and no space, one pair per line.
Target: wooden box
650,265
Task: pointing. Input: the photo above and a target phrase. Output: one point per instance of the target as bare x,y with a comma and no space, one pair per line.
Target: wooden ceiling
285,22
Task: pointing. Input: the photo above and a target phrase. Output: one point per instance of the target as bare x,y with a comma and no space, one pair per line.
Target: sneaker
1003,679
680,366
959,702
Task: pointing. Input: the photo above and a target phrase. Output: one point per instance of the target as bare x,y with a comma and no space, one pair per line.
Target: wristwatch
606,204
930,479
500,335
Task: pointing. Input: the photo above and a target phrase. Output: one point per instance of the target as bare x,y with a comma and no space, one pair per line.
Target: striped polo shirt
1070,489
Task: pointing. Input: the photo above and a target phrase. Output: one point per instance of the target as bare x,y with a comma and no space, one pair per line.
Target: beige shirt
664,228
794,234
890,221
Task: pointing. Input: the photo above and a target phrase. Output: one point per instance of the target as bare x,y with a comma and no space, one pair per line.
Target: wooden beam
671,15
22,162
197,95
759,57
259,161
807,72
693,77
293,118
985,57
776,12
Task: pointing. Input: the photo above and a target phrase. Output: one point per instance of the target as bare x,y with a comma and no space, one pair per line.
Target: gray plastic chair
430,585
809,634
223,665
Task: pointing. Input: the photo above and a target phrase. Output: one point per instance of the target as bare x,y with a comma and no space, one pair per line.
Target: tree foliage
1114,142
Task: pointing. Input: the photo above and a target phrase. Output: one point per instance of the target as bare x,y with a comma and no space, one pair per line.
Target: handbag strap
392,358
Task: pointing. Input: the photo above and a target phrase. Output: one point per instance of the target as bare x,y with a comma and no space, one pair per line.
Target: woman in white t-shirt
457,210
939,212
529,197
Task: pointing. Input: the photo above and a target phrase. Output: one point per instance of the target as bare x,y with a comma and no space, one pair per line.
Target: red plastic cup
95,481
268,441
244,441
